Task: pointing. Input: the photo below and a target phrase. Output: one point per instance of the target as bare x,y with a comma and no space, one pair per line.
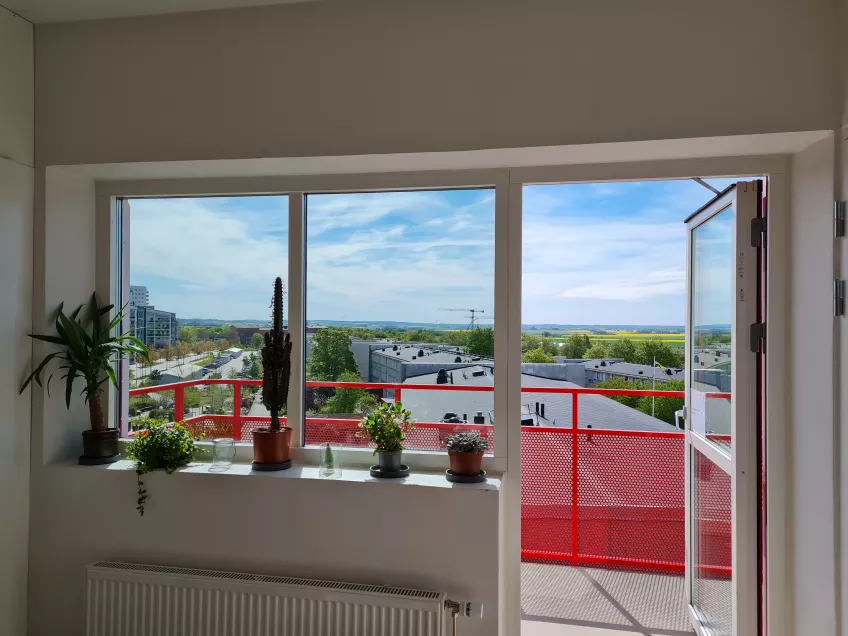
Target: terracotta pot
271,447
100,444
390,462
469,464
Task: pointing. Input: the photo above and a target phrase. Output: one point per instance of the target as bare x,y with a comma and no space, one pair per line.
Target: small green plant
466,442
328,458
387,427
159,446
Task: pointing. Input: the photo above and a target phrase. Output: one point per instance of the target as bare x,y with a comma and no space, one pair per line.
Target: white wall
16,191
379,76
424,538
334,78
811,412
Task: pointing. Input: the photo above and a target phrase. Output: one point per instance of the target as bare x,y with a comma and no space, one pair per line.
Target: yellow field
674,340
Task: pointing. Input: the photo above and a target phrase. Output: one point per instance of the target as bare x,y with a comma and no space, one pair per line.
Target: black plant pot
100,447
390,462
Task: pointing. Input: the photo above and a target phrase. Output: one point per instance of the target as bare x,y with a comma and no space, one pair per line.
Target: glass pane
712,316
400,306
201,277
711,523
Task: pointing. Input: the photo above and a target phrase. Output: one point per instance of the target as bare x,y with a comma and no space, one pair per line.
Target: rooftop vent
477,374
394,348
641,372
413,357
421,353
398,353
478,418
603,364
457,359
442,377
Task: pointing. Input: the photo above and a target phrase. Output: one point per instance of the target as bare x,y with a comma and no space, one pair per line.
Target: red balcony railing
589,496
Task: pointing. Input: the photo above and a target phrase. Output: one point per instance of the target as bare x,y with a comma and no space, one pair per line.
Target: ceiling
39,11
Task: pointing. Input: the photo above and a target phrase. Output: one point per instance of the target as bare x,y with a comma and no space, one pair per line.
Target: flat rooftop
595,411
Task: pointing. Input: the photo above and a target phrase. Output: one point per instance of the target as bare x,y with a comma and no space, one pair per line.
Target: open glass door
722,350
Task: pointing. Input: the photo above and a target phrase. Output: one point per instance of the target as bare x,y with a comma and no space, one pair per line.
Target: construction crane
474,317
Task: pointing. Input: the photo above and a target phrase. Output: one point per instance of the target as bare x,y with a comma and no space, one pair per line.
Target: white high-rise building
139,296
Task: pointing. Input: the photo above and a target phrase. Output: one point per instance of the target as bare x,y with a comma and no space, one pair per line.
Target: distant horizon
386,323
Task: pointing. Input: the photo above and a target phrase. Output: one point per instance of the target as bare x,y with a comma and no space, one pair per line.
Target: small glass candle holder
223,453
329,467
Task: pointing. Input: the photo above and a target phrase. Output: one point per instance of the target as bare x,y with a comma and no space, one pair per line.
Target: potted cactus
466,453
386,428
271,445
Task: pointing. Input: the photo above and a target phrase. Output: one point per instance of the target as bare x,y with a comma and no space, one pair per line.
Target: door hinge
758,232
838,219
838,297
758,337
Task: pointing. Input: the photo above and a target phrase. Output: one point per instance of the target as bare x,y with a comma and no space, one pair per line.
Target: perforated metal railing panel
631,499
712,515
546,491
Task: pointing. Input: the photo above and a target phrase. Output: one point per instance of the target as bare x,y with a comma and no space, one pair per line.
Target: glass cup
223,453
329,467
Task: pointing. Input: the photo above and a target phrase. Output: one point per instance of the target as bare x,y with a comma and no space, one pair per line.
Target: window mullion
297,317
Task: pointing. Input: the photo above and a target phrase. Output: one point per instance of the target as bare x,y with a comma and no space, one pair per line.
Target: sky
592,254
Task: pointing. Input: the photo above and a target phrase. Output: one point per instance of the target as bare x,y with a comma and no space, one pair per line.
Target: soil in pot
271,447
469,464
100,444
390,462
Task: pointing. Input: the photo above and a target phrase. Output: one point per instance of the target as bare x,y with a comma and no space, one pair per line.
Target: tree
481,342
330,356
620,383
350,400
233,374
155,376
575,346
600,349
255,368
623,348
530,342
182,349
539,356
649,350
222,343
458,338
664,407
257,341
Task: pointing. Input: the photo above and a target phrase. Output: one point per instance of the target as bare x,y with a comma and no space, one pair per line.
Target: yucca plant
88,351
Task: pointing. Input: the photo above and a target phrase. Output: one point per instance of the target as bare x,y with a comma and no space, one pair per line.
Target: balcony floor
560,600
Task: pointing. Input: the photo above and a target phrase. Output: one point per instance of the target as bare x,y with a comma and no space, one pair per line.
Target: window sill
427,479
359,458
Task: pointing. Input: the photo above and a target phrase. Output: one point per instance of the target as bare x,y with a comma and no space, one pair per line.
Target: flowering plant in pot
271,445
386,428
159,445
466,453
87,350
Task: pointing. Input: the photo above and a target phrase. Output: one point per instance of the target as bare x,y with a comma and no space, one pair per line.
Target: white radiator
128,599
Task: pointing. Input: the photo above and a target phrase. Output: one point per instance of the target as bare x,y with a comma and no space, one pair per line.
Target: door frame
741,463
776,169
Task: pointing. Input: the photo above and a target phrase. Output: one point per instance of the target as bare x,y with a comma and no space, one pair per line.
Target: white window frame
296,188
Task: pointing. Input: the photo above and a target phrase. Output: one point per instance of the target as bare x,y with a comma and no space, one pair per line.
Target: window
198,280
399,305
